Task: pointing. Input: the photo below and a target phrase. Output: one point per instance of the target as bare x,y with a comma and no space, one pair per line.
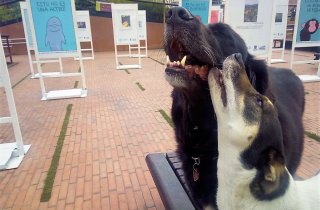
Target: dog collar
195,167
195,172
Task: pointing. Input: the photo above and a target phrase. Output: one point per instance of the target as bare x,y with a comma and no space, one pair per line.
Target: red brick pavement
102,162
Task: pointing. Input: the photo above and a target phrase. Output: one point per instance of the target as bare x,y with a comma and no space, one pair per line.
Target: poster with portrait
125,23
142,24
26,24
83,26
308,29
199,8
53,25
251,19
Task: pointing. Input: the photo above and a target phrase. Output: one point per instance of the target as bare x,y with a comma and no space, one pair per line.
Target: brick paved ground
102,163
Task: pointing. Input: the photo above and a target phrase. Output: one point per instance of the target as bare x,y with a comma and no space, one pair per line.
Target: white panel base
9,155
57,75
278,61
137,56
309,78
48,74
69,93
129,67
84,58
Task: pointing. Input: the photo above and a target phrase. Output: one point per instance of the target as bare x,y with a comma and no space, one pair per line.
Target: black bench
168,177
7,47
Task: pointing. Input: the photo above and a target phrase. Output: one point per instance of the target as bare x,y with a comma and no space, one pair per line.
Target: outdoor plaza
108,134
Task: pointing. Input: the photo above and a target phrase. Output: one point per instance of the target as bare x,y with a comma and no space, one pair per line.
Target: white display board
142,32
306,34
83,26
125,23
53,26
29,42
26,25
280,29
253,20
125,31
142,25
84,32
27,34
11,154
281,17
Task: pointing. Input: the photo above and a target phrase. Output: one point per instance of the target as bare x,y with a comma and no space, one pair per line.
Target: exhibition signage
54,30
29,40
307,33
83,26
280,29
53,25
280,22
199,8
142,24
26,24
142,32
125,23
125,30
11,154
84,32
253,20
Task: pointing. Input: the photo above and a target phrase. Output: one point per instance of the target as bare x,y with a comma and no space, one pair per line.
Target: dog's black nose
179,14
238,57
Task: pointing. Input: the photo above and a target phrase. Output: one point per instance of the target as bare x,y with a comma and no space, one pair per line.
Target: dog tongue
202,71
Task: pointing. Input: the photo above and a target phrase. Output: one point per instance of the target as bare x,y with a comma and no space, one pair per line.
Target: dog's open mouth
185,64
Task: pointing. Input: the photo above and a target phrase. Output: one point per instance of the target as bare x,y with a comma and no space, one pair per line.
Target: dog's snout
238,57
179,14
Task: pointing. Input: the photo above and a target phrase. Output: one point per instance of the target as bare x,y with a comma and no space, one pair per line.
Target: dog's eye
259,101
218,65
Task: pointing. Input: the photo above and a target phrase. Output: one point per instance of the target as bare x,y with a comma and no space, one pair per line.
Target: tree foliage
10,13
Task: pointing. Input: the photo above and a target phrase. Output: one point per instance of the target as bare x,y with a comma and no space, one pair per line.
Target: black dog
196,49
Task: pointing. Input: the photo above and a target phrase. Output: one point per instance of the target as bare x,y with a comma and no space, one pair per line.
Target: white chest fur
234,187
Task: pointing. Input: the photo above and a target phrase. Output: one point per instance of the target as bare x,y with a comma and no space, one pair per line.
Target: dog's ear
273,179
274,168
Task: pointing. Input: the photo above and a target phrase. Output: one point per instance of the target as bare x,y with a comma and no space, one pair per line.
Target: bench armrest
173,195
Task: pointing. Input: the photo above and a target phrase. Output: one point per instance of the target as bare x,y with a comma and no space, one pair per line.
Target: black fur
192,112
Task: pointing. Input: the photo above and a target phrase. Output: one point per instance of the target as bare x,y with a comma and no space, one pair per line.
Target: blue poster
28,28
309,21
53,25
199,8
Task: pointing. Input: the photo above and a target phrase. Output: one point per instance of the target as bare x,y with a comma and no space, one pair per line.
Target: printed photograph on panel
125,20
251,10
81,24
278,18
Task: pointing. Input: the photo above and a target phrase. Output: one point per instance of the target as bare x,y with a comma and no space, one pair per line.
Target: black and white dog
194,49
252,172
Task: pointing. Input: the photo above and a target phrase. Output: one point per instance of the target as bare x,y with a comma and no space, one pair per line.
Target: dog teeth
168,60
183,61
